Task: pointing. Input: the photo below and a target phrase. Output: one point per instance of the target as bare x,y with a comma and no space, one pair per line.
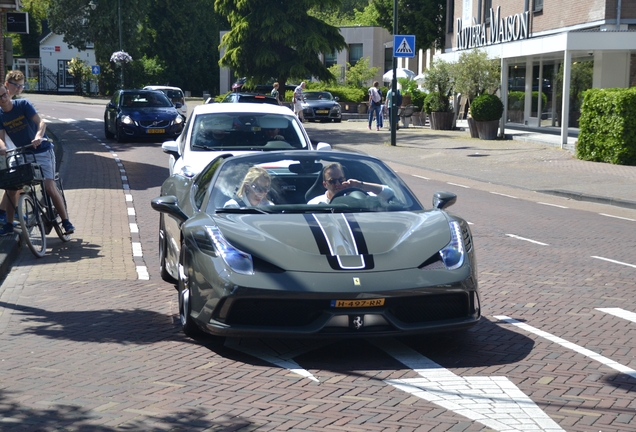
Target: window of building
487,7
355,53
331,59
388,59
450,16
538,6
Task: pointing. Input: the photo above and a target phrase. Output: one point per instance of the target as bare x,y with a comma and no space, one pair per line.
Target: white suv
175,94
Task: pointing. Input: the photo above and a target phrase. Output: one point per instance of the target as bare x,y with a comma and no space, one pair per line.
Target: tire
108,134
163,245
32,226
338,120
119,134
185,308
57,222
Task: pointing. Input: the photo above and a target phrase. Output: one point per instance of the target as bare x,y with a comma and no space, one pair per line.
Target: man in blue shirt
20,121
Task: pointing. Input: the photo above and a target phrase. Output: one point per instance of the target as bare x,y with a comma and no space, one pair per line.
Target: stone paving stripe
569,345
552,205
614,261
621,313
527,239
617,217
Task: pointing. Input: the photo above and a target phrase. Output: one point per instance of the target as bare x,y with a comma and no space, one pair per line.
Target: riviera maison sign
506,29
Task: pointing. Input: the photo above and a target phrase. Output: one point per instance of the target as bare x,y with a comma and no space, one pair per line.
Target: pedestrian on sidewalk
375,105
276,94
20,121
299,98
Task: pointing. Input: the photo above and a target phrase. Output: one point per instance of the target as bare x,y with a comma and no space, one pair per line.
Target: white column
565,107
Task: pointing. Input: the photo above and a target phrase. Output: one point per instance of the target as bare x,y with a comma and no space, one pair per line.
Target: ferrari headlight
453,253
127,120
237,260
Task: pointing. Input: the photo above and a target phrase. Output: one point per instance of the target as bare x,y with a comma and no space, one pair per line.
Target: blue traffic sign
95,69
403,46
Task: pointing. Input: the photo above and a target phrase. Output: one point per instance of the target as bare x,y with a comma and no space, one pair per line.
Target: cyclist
20,121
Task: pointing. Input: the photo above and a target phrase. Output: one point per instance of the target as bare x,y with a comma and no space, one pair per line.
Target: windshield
283,182
145,99
318,96
246,131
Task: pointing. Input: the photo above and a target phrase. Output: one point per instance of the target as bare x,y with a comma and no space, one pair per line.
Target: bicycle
36,213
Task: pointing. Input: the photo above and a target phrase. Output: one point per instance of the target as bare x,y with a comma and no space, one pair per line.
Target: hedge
608,126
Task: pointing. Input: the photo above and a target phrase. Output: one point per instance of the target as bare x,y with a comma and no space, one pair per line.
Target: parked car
214,129
321,106
248,98
361,265
175,94
141,114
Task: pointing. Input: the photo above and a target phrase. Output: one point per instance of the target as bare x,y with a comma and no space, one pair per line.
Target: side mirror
171,148
441,200
168,204
323,146
336,98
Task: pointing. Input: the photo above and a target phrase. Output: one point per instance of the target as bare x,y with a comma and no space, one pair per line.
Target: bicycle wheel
31,225
57,221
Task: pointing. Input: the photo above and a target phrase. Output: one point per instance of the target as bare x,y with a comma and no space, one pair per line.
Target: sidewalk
531,160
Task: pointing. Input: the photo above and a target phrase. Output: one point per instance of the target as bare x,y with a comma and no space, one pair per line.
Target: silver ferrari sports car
313,243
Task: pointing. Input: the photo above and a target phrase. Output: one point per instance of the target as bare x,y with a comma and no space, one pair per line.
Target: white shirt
386,193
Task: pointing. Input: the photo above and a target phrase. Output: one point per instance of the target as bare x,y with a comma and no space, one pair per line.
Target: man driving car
334,181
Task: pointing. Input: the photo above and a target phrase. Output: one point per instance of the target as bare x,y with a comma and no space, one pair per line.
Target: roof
160,87
241,108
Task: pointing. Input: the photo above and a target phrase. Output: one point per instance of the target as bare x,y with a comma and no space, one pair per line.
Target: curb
590,198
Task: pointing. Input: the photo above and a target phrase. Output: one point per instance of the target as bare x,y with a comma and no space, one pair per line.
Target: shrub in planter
435,102
486,107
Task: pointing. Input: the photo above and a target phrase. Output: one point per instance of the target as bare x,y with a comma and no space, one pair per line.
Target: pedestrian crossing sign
403,46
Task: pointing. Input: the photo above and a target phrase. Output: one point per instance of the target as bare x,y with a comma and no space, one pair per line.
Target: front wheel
32,226
185,307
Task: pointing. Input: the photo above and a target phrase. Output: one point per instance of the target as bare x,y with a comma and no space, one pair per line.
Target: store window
355,53
487,7
538,6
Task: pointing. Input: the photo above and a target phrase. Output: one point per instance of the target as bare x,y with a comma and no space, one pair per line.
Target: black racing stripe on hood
357,234
321,241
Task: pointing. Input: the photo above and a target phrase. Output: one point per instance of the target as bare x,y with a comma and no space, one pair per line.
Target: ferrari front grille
275,312
426,308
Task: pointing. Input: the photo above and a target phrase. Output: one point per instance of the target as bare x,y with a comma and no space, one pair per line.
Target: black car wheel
187,323
338,120
163,244
108,134
121,136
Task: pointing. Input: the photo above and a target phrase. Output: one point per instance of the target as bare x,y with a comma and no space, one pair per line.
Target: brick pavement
100,350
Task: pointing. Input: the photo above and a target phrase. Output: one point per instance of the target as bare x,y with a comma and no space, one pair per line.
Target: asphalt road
91,341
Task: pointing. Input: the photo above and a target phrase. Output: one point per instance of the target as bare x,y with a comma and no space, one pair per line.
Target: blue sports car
141,114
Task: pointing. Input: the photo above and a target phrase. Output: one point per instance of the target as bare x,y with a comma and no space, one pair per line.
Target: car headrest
316,189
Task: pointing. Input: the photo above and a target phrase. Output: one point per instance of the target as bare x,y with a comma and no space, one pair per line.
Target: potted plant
473,75
439,83
486,110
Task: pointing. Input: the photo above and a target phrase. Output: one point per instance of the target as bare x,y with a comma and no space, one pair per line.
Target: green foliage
360,74
423,18
417,98
486,107
608,126
439,81
409,86
435,102
580,80
516,100
28,45
349,13
79,68
281,41
474,74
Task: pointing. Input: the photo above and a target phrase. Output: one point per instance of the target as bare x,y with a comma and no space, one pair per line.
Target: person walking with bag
375,105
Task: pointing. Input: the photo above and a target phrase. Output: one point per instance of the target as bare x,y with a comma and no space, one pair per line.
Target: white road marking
421,177
526,239
95,119
618,217
614,261
569,345
552,205
508,196
133,228
456,184
68,120
131,211
495,402
277,352
621,313
142,273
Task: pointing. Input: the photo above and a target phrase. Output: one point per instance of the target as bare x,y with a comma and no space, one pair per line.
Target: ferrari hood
336,241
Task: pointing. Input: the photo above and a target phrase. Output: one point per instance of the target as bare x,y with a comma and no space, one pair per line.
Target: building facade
550,51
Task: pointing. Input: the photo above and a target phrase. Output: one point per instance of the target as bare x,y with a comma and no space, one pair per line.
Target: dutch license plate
357,303
322,111
156,131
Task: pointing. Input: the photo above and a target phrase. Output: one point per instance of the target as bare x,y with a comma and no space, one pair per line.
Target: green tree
474,74
350,12
184,36
28,45
277,39
423,18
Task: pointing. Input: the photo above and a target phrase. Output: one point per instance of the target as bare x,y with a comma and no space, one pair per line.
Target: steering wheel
351,191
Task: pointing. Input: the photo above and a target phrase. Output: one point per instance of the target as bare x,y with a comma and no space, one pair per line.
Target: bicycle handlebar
22,149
